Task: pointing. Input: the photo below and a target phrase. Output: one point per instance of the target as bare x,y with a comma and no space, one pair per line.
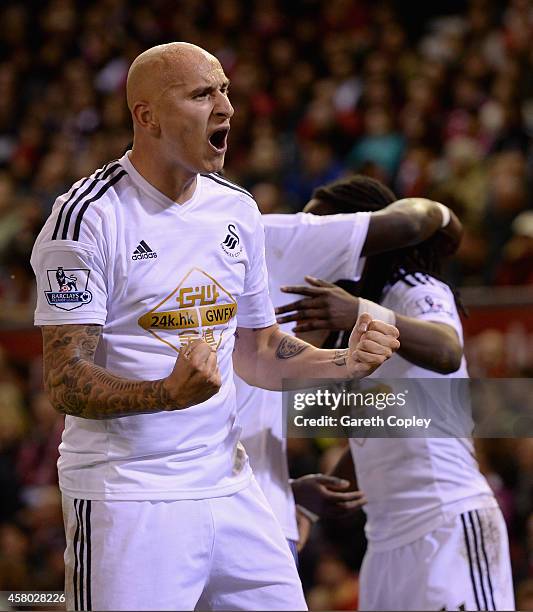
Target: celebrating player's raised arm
410,221
264,357
393,224
79,387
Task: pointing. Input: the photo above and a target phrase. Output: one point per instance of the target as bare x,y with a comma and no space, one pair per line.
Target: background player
436,536
330,245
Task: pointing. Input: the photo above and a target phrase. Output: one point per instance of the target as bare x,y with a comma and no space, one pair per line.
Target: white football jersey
415,485
296,245
118,253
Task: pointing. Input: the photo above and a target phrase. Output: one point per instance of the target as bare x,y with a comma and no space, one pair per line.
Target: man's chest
180,282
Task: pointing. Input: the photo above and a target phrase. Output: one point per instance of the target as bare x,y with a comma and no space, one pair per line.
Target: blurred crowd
320,89
31,528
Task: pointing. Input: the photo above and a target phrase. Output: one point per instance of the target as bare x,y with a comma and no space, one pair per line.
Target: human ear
144,116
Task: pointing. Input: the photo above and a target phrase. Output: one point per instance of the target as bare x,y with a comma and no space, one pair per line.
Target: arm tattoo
290,347
80,388
339,358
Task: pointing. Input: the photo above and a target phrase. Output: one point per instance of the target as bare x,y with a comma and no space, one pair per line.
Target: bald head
156,69
178,98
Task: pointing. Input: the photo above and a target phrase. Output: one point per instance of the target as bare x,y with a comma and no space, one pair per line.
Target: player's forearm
434,346
425,215
78,387
89,391
284,357
402,224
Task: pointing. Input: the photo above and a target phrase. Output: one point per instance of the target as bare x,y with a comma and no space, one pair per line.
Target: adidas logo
143,251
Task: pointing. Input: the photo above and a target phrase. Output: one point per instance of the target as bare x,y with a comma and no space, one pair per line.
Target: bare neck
173,181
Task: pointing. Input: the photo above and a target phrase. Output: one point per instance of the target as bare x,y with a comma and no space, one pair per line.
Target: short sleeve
430,300
71,283
326,246
255,308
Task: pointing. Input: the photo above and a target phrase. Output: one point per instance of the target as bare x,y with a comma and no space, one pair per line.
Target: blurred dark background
435,99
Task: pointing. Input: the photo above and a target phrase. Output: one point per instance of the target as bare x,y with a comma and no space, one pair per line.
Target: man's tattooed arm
339,358
265,357
78,387
290,347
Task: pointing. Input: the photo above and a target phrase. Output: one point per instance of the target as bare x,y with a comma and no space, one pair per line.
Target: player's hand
325,306
326,496
195,377
371,343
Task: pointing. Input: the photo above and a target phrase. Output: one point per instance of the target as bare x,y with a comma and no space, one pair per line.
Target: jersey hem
143,495
73,319
445,513
290,534
243,322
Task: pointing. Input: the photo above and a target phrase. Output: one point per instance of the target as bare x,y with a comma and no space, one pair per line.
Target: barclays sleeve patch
429,305
68,288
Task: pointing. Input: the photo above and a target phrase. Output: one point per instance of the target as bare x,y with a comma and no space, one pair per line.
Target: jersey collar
140,182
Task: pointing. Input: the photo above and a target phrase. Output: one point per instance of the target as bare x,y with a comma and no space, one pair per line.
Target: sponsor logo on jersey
143,251
231,245
429,304
199,307
68,288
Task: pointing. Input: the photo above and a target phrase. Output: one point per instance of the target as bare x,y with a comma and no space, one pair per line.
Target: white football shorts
223,553
462,565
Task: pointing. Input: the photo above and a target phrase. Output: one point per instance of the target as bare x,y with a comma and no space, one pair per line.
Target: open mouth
218,139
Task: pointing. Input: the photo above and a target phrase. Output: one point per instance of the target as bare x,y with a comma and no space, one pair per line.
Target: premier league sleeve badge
68,288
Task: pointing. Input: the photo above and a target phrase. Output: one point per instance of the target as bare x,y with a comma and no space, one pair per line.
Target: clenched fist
195,377
371,343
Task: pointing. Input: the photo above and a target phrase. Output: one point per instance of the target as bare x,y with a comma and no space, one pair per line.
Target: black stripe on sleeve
60,216
480,571
467,542
83,184
226,183
75,575
96,197
71,196
88,536
484,551
81,198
